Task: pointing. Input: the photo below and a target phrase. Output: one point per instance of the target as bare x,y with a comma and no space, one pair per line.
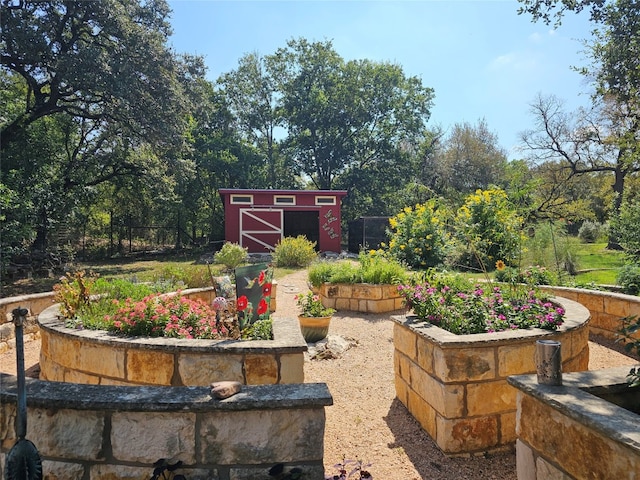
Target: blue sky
482,59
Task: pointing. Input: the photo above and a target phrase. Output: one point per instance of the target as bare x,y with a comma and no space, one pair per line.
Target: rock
226,389
331,347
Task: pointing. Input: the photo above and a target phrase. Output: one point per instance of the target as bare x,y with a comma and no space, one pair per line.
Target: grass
595,263
182,267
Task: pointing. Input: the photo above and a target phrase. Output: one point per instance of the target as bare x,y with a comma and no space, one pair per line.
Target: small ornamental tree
418,235
487,229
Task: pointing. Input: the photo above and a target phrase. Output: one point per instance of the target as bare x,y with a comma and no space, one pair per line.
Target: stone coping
573,400
576,315
286,338
43,394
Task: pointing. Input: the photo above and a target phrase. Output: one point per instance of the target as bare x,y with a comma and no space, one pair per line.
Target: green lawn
597,264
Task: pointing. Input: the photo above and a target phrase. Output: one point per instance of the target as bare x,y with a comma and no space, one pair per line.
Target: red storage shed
259,219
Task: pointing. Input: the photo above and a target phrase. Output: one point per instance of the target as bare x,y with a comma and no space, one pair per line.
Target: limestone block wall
456,385
566,432
97,357
35,304
607,308
107,432
361,297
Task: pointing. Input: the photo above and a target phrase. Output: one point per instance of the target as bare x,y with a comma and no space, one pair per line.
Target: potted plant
314,317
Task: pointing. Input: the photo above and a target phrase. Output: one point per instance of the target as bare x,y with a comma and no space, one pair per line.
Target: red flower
242,303
261,277
262,306
266,290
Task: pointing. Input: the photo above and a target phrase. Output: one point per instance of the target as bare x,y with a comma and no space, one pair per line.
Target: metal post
19,317
549,362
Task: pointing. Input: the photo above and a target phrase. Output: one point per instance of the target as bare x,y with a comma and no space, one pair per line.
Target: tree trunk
42,234
618,190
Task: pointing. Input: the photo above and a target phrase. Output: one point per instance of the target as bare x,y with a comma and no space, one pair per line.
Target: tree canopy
102,62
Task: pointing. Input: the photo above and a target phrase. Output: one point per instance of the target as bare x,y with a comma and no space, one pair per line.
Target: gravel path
366,421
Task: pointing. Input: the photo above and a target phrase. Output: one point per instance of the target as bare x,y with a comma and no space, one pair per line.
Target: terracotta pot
314,328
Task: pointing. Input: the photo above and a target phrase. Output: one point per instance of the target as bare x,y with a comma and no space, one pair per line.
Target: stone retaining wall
606,308
361,297
566,432
97,357
107,432
34,303
456,386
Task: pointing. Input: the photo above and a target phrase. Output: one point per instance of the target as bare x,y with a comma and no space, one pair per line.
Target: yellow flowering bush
487,228
418,235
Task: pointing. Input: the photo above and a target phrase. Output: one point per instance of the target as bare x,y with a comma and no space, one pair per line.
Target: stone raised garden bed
361,297
118,432
456,385
97,357
579,429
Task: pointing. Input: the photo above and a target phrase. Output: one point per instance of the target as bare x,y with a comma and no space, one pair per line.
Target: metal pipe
549,362
19,317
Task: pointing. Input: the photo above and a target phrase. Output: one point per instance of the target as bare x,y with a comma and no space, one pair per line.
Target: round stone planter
98,357
361,297
456,385
314,329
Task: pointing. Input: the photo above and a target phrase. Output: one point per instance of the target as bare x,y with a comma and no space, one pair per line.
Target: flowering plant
166,316
311,306
470,308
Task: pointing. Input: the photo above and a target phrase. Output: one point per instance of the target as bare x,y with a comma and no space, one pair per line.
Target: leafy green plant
626,227
261,329
531,275
320,272
231,255
345,271
294,252
310,305
629,336
73,293
377,268
372,267
629,279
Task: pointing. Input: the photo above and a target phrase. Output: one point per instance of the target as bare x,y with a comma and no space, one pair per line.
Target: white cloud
514,62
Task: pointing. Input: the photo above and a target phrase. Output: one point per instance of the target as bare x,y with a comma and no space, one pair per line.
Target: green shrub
531,275
590,232
320,273
418,235
345,271
261,329
626,228
376,268
294,252
629,279
372,267
231,255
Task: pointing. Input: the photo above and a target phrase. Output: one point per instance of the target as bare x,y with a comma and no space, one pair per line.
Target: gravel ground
366,421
